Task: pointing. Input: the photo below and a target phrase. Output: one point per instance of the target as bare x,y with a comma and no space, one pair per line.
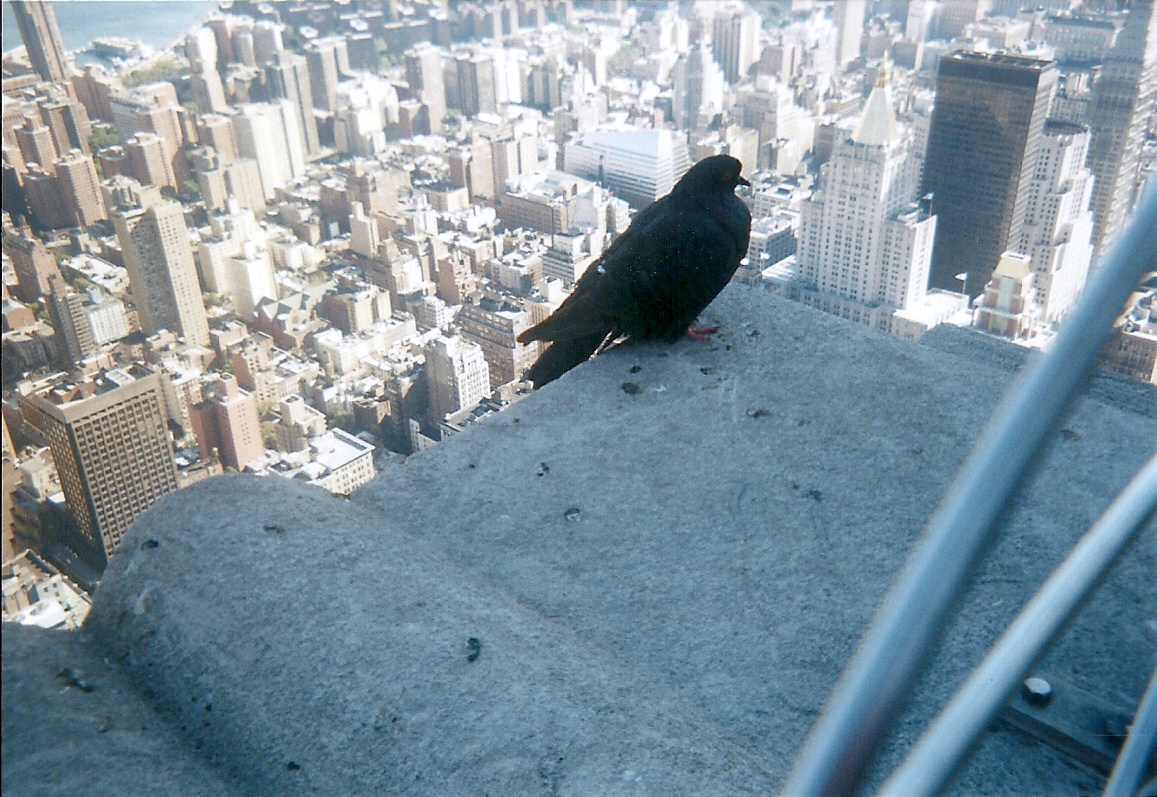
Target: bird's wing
646,278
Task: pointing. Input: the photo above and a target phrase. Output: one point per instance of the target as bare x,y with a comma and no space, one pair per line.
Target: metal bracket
1069,719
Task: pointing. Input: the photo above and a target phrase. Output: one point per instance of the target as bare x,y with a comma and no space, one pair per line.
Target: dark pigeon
656,278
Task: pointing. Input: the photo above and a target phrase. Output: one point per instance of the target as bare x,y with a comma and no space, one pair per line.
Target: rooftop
643,579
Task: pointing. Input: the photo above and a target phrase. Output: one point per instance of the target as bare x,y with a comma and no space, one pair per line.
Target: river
80,21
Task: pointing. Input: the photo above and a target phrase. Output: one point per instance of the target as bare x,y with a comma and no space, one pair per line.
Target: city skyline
340,229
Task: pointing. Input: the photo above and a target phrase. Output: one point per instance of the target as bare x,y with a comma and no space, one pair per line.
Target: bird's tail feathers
562,356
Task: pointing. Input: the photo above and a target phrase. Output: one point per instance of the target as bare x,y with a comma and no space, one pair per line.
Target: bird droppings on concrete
474,646
73,680
758,412
631,388
634,369
149,545
573,514
274,528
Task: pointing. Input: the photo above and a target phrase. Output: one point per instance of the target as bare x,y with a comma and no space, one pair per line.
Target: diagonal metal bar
1138,747
945,743
870,692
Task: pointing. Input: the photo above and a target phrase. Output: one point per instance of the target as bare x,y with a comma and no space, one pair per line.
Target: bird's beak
744,181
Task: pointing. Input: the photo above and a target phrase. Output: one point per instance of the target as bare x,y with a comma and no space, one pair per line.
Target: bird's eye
728,177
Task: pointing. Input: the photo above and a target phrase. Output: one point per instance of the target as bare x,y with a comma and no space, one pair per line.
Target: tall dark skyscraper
1123,98
982,147
38,30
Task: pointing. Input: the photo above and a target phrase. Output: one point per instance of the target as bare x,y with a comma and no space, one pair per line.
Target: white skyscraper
1058,219
861,237
363,232
735,39
235,260
848,16
208,91
1120,116
268,133
251,278
457,375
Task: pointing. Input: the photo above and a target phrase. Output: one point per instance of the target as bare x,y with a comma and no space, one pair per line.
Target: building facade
986,129
159,259
112,451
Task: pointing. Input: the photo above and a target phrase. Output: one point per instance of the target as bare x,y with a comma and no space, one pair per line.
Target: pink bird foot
701,333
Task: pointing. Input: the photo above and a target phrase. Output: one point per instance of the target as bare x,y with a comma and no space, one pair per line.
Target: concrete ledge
664,558
77,724
336,655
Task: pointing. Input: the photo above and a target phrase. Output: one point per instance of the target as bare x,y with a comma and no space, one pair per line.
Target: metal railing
870,692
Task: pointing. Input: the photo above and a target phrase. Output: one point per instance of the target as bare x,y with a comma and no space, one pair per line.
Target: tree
158,72
190,191
345,422
103,135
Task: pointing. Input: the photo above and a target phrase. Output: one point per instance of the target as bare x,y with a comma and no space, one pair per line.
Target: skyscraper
44,200
327,59
476,84
457,375
862,238
639,165
697,89
471,167
33,263
68,122
74,339
38,30
1122,107
112,450
848,16
735,40
216,131
982,147
269,133
289,80
36,144
1058,221
208,91
424,72
149,160
159,259
80,188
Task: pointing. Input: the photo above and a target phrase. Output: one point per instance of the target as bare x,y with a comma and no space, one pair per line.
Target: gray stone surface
76,724
666,557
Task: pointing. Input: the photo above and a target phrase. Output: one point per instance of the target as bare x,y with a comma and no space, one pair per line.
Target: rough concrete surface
643,579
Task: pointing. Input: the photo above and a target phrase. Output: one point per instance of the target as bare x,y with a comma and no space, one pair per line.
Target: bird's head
718,173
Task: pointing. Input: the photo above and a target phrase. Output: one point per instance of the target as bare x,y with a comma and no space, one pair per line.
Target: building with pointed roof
865,245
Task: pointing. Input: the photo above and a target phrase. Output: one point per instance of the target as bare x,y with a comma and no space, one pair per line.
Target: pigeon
655,278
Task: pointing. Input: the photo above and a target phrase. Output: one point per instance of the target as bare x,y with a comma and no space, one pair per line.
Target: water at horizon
80,21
